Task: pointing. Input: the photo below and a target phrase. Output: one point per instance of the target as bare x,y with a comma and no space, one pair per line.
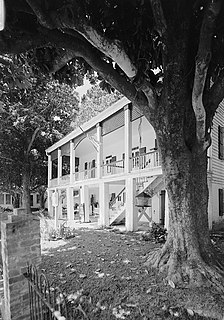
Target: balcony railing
114,167
147,160
86,174
144,161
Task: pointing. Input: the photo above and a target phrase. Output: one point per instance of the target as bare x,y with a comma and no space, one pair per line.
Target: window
65,165
31,200
108,160
76,164
221,142
8,198
54,168
221,202
1,198
38,198
93,166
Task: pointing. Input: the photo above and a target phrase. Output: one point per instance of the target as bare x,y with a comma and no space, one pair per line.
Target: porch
109,202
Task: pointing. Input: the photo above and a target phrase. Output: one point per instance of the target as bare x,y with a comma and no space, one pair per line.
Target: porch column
127,138
55,203
59,204
49,202
70,204
49,167
131,216
166,223
99,156
72,161
85,201
59,165
103,204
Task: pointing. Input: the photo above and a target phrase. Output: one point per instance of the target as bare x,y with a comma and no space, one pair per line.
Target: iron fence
46,302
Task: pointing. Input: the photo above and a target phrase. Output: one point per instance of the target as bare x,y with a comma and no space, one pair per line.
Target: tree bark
42,199
26,190
188,255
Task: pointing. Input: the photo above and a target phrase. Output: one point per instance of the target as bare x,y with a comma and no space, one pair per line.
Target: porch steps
151,186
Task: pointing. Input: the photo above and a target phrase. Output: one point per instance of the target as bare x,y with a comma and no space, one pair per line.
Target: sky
83,89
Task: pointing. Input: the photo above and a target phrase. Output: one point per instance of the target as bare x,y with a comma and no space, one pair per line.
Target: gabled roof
90,124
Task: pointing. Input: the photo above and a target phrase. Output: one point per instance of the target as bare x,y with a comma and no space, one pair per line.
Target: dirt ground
103,275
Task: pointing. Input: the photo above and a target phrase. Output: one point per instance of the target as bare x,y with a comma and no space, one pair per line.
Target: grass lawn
103,274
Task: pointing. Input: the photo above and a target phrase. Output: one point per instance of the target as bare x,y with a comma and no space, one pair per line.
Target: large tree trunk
188,254
26,190
42,198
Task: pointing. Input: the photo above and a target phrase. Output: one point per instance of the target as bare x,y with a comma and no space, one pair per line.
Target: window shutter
93,163
221,142
221,206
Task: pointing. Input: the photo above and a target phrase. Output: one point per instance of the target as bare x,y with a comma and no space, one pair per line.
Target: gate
46,303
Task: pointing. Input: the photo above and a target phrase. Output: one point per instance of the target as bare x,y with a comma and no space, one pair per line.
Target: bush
157,234
62,232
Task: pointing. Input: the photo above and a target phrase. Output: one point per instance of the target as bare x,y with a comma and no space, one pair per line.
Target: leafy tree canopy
93,102
35,112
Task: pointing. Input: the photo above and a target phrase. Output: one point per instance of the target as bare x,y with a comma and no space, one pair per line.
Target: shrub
157,233
62,232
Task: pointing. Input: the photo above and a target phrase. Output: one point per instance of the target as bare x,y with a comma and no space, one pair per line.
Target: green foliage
35,112
62,232
157,234
93,102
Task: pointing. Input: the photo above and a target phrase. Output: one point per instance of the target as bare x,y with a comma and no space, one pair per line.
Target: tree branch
215,95
150,93
32,140
21,43
201,68
93,58
111,48
61,61
5,60
43,17
159,18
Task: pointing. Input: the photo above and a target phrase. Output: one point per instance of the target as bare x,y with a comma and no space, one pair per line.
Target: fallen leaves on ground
103,276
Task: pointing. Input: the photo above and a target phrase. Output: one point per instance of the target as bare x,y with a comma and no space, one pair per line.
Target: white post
49,202
131,216
55,202
72,160
56,215
103,204
99,156
59,165
70,204
49,169
166,223
84,199
127,138
59,204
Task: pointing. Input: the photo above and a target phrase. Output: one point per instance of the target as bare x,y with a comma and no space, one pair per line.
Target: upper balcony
110,167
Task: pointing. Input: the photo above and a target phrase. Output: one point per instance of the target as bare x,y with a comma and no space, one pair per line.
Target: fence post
20,238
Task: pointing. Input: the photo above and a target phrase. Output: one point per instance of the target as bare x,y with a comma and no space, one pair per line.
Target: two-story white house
110,166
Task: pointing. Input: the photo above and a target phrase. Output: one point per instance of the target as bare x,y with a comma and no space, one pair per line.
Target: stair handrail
112,202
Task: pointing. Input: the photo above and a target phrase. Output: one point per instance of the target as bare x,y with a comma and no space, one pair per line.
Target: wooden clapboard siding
217,164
